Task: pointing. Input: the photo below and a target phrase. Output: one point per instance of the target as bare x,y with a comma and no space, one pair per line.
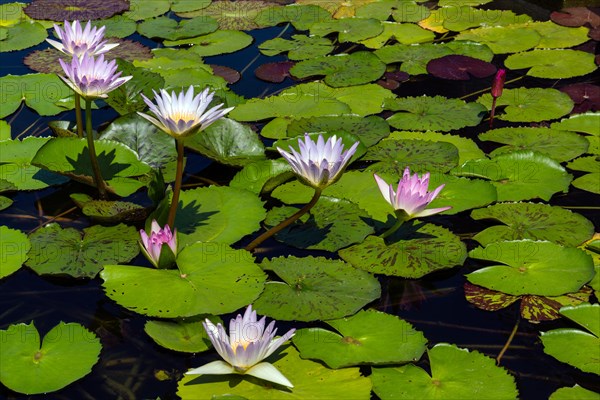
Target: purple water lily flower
319,164
412,195
92,77
152,245
76,41
246,346
182,114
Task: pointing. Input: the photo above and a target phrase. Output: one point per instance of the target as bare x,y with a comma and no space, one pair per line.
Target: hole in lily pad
461,68
71,10
274,72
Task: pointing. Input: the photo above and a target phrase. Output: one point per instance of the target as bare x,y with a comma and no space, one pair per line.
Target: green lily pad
299,48
17,169
301,16
183,336
347,383
153,146
117,26
67,353
16,89
403,33
5,202
168,28
573,346
4,130
181,6
460,193
166,59
557,36
418,250
212,278
330,225
419,155
467,148
556,144
215,43
503,39
217,214
530,105
140,9
70,252
13,250
348,29
368,337
22,36
235,15
228,142
433,113
342,69
262,176
553,64
399,10
533,221
414,58
520,175
532,267
315,288
455,374
114,211
587,123
574,393
460,18
70,157
362,99
589,182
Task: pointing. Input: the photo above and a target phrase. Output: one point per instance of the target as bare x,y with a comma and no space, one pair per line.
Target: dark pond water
133,366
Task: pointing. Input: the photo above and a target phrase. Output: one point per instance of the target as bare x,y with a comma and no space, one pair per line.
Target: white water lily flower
411,195
248,343
183,115
92,77
76,41
319,164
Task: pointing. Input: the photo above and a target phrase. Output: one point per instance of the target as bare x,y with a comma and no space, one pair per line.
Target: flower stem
493,111
286,222
393,229
78,118
177,189
98,181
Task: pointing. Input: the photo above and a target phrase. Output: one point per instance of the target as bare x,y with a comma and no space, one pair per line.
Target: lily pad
168,28
16,89
118,26
417,250
301,16
315,288
459,18
455,374
589,182
13,250
585,123
553,64
533,221
5,202
234,15
299,48
585,95
262,176
402,33
559,145
433,113
556,36
275,72
22,36
503,39
520,175
399,10
81,254
364,338
215,43
183,336
467,148
574,393
67,353
347,383
212,278
4,131
573,346
105,211
71,10
349,29
532,267
576,16
343,69
414,58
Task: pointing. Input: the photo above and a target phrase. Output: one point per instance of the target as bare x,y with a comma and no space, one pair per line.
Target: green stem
286,222
394,228
508,342
98,181
177,189
78,118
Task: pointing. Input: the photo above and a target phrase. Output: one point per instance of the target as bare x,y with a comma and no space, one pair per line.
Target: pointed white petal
269,373
212,368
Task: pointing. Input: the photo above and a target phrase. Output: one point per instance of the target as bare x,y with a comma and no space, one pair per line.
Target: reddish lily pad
461,68
585,96
71,10
576,16
229,74
274,72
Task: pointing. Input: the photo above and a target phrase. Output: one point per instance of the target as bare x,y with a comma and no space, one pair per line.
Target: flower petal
268,372
212,368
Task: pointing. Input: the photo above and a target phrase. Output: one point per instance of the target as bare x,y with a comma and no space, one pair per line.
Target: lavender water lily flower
412,196
92,78
246,346
319,164
160,247
76,41
182,114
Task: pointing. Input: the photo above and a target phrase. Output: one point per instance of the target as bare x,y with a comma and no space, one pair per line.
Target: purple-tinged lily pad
72,10
274,72
585,96
229,74
576,16
391,80
459,68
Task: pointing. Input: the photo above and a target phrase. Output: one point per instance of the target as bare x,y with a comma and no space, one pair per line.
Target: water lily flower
76,41
153,245
319,164
412,195
183,115
91,77
246,346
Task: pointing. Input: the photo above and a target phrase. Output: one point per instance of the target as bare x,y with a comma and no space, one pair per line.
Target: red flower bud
498,84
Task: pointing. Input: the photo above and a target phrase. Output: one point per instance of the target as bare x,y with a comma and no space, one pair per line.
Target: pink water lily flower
319,164
246,346
152,245
411,196
182,114
91,77
76,41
